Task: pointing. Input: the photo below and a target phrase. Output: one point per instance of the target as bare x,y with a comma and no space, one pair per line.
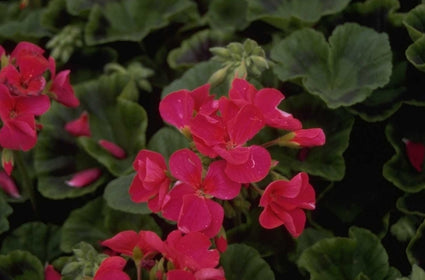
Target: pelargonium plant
211,140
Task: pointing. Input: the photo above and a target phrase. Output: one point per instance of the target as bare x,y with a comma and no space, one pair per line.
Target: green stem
257,189
26,183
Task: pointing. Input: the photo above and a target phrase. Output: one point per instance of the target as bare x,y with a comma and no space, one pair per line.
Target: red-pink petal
416,154
84,178
242,90
269,220
63,91
294,221
236,155
34,105
113,149
177,108
217,216
173,201
210,274
254,169
19,134
79,126
150,243
186,166
209,129
123,242
7,184
51,274
138,192
309,137
218,184
194,214
179,274
247,123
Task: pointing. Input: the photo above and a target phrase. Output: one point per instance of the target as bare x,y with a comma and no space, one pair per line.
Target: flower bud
84,178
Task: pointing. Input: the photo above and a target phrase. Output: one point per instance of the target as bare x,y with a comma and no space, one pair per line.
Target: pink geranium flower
179,107
283,202
51,274
61,87
24,75
151,182
189,202
142,247
190,251
18,116
111,268
227,135
267,101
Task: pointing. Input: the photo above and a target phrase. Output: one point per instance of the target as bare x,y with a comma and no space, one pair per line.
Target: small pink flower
51,274
113,149
111,268
416,153
8,185
84,178
151,182
79,126
125,242
283,202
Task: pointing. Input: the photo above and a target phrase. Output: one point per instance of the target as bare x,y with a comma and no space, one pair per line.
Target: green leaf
121,21
415,23
360,256
95,222
284,13
117,196
195,49
19,25
398,169
20,265
404,229
384,101
343,72
415,54
5,211
78,7
195,77
308,238
227,15
414,250
326,161
39,239
112,118
166,141
241,262
412,203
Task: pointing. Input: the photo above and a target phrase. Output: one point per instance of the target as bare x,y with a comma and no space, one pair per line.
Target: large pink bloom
283,202
190,251
267,101
128,242
179,107
151,182
17,114
227,136
189,202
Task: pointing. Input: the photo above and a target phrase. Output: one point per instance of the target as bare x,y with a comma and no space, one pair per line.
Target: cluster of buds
238,61
25,94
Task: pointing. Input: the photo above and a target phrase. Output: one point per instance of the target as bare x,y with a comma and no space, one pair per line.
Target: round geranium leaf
415,23
399,169
96,222
117,196
326,161
241,261
342,72
414,250
347,258
20,265
412,203
227,15
166,141
283,13
38,238
415,53
121,21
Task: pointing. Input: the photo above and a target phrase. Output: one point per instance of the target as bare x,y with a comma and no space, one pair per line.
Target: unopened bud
113,149
7,160
84,178
218,77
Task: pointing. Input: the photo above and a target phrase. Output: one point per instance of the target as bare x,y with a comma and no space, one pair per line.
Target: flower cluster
25,94
188,190
188,256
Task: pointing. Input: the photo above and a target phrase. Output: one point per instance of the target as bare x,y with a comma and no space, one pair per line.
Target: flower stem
257,189
26,183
